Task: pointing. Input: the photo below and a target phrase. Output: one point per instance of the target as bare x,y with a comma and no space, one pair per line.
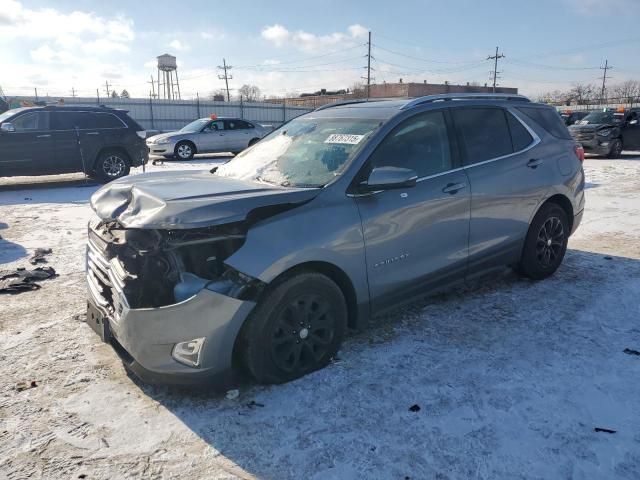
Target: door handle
222,134
43,136
454,188
534,163
93,133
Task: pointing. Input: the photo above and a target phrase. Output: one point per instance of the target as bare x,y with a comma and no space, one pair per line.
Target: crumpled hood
187,199
589,127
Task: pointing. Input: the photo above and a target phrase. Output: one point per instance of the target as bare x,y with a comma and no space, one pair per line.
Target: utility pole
98,95
106,84
73,92
368,67
495,67
604,78
36,90
153,87
226,77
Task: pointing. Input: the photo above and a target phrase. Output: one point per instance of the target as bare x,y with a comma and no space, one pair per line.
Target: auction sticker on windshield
344,138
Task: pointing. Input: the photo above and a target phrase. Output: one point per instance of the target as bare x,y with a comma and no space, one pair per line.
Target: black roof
72,108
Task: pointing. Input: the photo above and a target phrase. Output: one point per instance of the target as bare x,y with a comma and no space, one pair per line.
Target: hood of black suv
188,199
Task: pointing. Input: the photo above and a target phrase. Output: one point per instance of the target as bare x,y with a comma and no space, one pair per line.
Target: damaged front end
166,299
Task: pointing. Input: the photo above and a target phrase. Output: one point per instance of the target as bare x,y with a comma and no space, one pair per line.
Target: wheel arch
190,142
334,273
563,202
106,149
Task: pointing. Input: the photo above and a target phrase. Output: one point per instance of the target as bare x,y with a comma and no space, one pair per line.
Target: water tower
168,86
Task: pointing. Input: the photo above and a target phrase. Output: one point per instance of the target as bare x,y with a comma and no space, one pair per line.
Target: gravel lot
511,376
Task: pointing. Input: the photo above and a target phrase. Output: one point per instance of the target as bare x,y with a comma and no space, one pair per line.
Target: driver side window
420,143
215,126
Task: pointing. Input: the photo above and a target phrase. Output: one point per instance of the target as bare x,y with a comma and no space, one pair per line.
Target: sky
290,47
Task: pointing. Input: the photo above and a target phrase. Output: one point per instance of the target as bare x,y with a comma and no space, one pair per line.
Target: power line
226,76
495,67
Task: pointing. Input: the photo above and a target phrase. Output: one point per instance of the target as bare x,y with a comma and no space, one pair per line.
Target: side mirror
7,127
389,178
633,122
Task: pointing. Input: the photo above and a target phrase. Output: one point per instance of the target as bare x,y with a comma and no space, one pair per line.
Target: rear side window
484,133
520,137
420,143
549,119
106,120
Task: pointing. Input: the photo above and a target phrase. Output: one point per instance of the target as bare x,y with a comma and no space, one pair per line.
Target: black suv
608,131
102,142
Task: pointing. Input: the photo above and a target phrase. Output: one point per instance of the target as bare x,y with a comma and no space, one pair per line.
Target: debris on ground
414,408
26,385
605,430
630,351
233,394
608,258
253,404
39,256
22,280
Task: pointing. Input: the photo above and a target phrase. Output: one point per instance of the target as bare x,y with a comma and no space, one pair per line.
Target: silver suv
266,262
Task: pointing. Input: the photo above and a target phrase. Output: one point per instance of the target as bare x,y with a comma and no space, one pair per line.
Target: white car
207,135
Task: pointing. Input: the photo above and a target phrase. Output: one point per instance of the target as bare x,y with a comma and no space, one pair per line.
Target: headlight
604,132
163,140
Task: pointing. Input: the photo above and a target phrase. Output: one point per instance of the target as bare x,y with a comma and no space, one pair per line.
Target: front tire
296,329
616,149
546,242
112,165
184,150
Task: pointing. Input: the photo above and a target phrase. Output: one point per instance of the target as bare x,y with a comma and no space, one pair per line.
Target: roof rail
445,97
346,102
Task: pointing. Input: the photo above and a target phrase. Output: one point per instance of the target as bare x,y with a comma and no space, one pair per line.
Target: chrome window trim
536,140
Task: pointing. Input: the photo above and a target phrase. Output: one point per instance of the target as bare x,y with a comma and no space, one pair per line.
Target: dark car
608,131
570,117
340,214
101,142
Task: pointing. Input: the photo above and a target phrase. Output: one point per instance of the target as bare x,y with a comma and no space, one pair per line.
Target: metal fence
594,104
166,115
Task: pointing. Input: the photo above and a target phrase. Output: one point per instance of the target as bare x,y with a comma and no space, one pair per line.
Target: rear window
484,133
547,118
106,120
520,137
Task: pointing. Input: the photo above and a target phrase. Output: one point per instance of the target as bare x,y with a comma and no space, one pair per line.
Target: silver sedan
207,135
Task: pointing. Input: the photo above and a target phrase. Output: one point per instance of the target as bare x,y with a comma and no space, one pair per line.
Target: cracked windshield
302,153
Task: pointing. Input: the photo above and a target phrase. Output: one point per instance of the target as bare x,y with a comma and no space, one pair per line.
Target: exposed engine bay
153,268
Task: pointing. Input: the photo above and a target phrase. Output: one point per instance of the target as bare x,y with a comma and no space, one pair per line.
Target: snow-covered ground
511,376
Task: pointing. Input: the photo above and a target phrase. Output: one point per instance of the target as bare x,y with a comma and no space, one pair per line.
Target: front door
65,128
416,238
29,150
213,138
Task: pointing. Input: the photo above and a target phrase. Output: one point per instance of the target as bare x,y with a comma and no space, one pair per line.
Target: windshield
602,117
195,126
9,113
306,152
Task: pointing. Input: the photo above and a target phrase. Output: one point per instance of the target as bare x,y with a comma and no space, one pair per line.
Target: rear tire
616,149
296,329
111,165
184,150
253,141
546,242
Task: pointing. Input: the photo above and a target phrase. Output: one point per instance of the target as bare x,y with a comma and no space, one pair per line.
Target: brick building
393,90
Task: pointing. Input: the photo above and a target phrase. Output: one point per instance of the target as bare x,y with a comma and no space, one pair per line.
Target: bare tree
359,90
249,93
114,94
626,91
556,97
583,93
125,94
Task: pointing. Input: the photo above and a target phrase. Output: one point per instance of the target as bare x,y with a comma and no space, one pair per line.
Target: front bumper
161,148
144,337
599,146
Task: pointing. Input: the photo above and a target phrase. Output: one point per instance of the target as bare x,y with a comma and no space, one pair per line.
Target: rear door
239,134
416,238
29,150
508,179
631,132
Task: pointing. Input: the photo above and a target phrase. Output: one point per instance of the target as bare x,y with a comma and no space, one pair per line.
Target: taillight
579,151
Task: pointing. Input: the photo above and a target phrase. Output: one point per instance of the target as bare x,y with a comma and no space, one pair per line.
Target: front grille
105,280
583,136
